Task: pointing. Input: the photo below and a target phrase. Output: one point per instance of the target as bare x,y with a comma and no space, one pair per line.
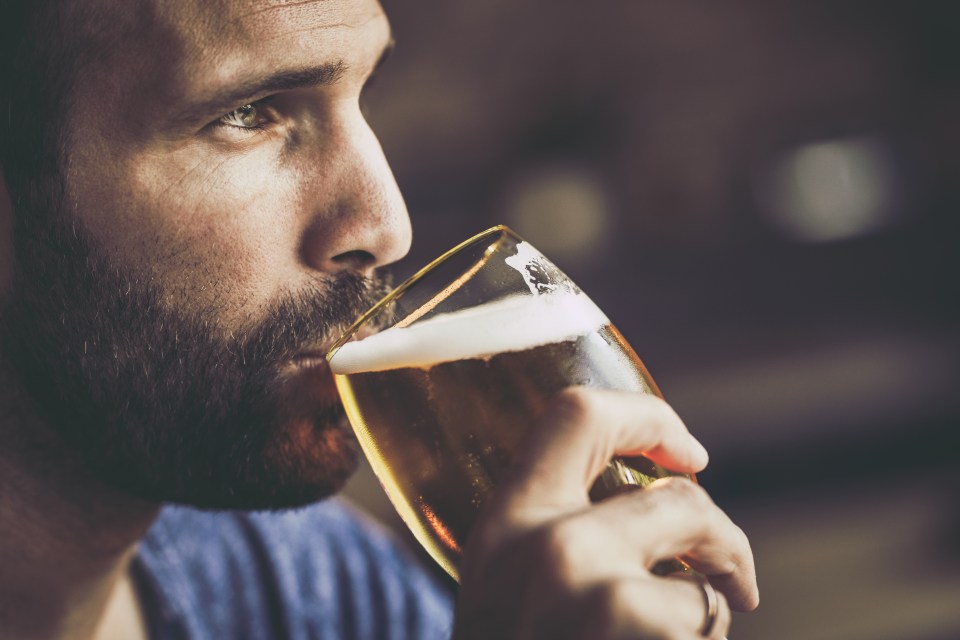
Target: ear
6,236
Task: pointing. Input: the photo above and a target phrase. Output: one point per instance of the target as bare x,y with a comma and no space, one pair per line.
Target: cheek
235,227
215,234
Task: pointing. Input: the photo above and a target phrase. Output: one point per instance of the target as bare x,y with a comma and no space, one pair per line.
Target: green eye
246,117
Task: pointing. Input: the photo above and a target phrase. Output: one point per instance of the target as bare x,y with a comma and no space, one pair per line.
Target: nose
358,219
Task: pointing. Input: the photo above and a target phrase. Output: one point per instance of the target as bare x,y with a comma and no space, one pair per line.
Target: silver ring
712,608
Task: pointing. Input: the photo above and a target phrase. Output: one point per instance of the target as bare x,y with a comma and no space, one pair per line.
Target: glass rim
500,229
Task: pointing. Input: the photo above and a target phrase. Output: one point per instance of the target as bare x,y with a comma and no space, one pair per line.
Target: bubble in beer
442,406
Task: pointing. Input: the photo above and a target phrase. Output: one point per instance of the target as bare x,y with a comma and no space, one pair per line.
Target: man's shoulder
317,572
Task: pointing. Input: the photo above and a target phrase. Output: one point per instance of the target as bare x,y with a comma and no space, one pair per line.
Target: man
192,208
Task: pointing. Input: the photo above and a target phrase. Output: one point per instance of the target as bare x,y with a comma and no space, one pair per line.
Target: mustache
312,318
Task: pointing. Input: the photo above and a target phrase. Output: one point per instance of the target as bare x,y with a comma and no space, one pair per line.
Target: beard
155,400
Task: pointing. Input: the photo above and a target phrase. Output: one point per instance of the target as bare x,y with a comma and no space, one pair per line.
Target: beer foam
512,324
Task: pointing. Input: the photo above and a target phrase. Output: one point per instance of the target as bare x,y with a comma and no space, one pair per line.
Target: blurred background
762,196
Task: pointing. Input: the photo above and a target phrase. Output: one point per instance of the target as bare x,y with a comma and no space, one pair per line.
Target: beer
440,407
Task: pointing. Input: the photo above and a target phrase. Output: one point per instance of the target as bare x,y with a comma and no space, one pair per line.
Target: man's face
226,210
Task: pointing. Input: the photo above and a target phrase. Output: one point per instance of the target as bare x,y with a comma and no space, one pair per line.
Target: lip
316,357
309,360
313,356
306,382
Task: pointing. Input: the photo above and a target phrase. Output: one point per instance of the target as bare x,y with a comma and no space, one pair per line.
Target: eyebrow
257,88
251,90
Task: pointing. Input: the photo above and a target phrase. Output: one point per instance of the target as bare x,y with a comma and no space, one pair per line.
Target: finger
675,517
583,429
647,607
715,616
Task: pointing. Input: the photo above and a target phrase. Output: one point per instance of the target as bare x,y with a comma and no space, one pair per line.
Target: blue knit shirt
318,573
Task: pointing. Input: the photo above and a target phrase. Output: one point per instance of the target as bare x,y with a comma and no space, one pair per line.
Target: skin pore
226,211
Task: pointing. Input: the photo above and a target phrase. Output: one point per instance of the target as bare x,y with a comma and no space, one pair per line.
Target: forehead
184,45
222,27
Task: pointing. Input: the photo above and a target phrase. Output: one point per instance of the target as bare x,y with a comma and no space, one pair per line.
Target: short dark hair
35,77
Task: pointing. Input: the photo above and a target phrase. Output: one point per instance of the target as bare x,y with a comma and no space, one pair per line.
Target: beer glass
443,377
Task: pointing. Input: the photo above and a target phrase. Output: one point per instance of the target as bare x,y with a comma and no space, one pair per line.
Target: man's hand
543,562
